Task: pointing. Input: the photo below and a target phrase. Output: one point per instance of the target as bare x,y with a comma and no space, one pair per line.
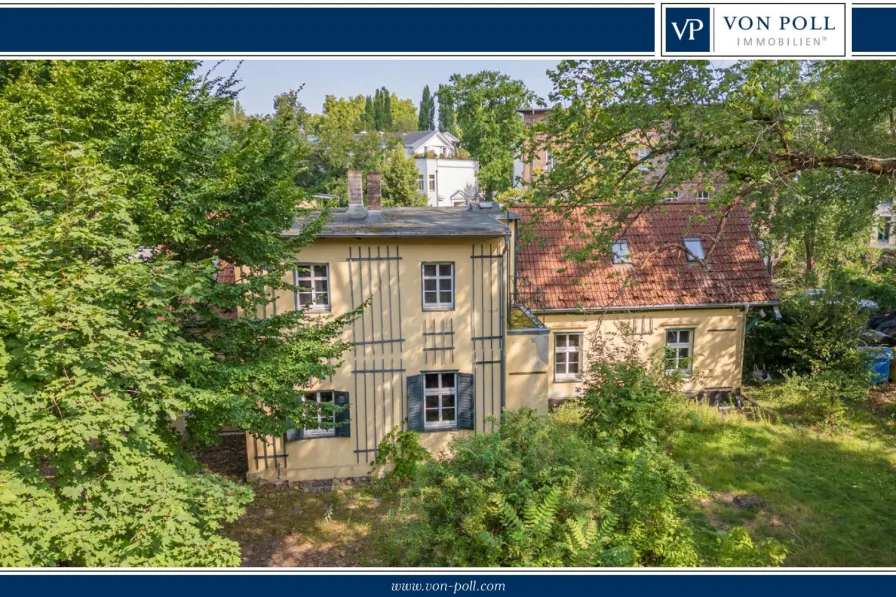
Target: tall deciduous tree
447,122
122,188
487,106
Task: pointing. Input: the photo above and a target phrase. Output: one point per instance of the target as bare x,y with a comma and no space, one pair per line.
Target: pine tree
369,114
426,122
378,110
387,110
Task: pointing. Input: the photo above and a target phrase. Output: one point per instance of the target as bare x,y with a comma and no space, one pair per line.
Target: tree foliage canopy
123,185
487,106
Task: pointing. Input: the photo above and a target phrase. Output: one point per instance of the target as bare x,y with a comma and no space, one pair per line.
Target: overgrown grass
829,496
289,526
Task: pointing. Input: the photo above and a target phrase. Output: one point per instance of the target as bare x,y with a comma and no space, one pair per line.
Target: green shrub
402,451
539,492
625,401
822,398
813,334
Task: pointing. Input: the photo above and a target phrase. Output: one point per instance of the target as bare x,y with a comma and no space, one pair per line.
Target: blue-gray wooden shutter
415,402
294,434
465,403
343,417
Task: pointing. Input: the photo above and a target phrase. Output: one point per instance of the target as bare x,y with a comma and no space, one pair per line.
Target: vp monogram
691,26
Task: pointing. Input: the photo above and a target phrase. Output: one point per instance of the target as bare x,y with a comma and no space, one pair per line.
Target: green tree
427,111
388,117
404,115
446,110
781,137
400,187
369,114
122,187
491,129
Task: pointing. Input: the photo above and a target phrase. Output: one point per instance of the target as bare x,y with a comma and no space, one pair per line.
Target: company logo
755,30
690,25
687,30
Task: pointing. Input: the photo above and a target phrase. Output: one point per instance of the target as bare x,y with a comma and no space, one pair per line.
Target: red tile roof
659,275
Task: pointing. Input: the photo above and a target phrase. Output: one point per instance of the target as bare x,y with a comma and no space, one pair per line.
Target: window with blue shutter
440,401
343,416
332,415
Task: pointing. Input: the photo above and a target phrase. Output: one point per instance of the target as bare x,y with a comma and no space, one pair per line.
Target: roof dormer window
694,250
620,252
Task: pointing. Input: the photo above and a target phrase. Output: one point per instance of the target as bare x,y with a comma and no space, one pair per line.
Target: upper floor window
703,195
695,249
313,282
440,400
548,161
420,183
432,182
643,155
620,252
679,351
673,196
567,357
438,286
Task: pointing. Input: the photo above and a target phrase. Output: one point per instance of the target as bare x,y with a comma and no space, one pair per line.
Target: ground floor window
567,357
330,416
325,415
679,351
440,401
440,405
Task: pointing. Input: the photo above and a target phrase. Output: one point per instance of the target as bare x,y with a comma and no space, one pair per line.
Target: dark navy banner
873,29
342,30
460,583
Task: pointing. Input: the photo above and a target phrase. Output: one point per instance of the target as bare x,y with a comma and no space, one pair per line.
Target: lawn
829,496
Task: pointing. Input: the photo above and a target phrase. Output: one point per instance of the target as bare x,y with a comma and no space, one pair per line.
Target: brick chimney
355,193
374,191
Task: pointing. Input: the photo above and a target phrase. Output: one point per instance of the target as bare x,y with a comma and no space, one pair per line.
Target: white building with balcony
444,177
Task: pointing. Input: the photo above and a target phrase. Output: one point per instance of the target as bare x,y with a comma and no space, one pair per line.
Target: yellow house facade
435,349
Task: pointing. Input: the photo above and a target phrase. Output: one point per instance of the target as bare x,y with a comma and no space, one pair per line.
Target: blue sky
263,79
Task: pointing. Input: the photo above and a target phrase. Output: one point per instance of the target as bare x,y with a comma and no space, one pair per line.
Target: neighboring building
434,350
532,163
444,177
689,314
525,168
883,232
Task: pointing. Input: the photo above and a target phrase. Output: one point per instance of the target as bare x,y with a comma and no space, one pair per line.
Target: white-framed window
313,282
548,161
643,155
567,357
432,182
884,228
679,351
695,246
438,286
420,183
620,252
673,196
440,400
325,417
703,195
